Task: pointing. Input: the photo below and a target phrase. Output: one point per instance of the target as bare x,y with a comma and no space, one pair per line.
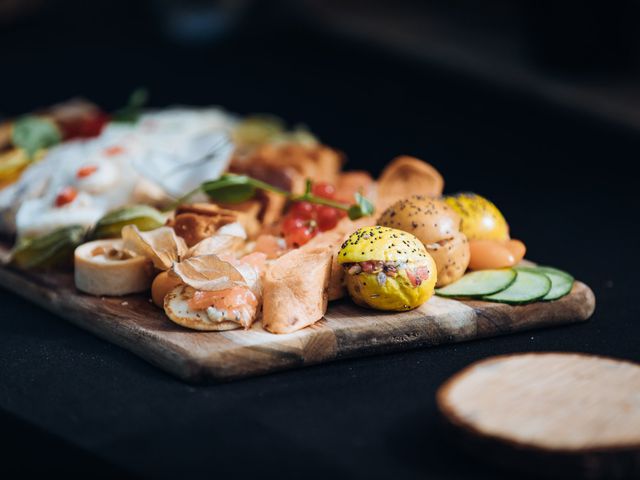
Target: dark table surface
73,402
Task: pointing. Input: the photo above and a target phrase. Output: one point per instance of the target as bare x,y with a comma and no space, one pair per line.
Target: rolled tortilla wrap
295,291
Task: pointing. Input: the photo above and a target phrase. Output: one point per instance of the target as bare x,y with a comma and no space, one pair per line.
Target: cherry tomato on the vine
298,231
305,219
303,210
323,190
291,223
327,217
299,236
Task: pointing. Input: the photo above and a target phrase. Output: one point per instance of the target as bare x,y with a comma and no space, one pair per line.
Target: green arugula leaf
33,133
230,188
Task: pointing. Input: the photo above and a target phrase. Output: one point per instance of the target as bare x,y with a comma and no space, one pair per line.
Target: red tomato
92,127
85,127
291,223
85,171
66,195
303,210
299,236
327,217
324,190
298,231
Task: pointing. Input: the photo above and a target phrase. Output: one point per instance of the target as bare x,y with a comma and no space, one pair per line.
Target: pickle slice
142,216
47,251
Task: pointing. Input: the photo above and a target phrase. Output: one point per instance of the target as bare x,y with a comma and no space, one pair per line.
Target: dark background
544,130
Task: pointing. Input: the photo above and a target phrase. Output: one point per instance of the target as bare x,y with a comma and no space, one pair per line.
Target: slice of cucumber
561,281
528,287
479,284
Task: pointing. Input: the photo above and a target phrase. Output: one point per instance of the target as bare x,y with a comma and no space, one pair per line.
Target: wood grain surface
134,323
558,415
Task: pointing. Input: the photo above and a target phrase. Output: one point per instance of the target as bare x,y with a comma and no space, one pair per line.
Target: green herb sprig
133,109
233,188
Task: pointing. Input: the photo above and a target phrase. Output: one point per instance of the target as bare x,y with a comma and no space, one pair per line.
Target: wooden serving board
347,330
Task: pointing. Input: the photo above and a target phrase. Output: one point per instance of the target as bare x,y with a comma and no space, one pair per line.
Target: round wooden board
562,415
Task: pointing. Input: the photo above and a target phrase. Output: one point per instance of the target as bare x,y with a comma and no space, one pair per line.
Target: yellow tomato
481,219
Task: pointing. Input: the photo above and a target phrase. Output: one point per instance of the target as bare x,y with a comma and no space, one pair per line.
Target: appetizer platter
219,247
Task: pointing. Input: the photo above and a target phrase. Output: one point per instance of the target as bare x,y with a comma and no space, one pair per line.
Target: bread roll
437,226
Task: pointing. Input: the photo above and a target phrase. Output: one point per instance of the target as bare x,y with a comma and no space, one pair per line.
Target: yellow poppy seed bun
396,294
381,244
398,290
